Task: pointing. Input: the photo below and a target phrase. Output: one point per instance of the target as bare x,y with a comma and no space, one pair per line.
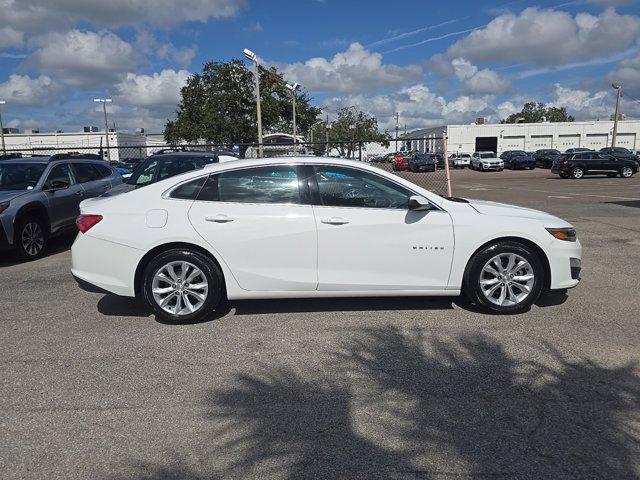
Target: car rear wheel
504,277
183,286
31,238
577,173
626,172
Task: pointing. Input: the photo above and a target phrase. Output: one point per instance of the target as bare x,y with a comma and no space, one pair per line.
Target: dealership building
525,136
91,140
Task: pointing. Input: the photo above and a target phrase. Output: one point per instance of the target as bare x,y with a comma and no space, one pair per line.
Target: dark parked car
621,153
517,161
164,164
422,162
401,161
40,197
578,165
510,153
545,157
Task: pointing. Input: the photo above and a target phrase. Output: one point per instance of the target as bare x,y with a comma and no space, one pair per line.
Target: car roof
182,153
34,160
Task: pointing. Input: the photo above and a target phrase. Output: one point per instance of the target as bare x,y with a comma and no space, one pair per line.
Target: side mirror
56,185
419,203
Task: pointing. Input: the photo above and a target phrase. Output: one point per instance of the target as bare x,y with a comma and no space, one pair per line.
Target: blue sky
434,62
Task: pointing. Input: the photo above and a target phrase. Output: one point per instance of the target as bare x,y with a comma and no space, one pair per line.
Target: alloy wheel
507,279
180,288
626,172
32,238
577,173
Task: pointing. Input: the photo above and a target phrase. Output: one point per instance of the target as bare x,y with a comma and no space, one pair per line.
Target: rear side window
103,171
189,190
277,184
85,172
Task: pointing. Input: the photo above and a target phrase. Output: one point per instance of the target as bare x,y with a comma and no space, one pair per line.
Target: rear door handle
220,218
334,221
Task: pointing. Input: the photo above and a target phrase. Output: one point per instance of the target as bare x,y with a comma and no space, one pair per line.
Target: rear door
368,239
90,179
261,223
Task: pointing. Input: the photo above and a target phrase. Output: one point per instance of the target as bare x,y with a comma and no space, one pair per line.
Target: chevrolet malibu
314,227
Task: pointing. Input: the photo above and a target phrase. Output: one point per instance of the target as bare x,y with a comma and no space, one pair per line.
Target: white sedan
314,227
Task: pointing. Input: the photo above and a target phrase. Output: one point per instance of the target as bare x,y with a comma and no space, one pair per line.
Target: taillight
85,222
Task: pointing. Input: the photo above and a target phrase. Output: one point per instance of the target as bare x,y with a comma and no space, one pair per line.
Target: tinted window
172,166
189,190
146,173
62,173
346,187
85,172
103,170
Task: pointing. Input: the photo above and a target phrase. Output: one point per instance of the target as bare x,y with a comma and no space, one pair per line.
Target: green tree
350,128
536,112
218,106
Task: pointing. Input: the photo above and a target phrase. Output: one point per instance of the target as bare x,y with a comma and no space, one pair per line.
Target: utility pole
254,58
293,89
617,87
397,127
104,102
326,131
4,150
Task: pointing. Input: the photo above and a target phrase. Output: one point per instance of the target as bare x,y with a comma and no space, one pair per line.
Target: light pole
293,89
104,102
397,127
4,150
254,58
617,87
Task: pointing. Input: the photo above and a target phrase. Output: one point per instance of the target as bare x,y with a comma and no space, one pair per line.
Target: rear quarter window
188,190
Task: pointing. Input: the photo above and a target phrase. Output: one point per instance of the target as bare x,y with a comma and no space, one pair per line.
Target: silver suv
40,197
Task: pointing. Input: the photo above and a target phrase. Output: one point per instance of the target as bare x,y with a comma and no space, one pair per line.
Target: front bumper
489,166
4,241
565,263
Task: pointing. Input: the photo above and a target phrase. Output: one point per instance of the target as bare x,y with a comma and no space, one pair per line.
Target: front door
368,239
256,220
64,203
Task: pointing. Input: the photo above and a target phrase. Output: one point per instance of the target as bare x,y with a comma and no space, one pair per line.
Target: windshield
161,168
20,176
487,155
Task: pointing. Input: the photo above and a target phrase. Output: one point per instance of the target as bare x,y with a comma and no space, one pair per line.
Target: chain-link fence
420,160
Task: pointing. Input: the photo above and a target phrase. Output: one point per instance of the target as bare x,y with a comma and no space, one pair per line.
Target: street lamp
293,89
254,58
4,150
618,87
104,102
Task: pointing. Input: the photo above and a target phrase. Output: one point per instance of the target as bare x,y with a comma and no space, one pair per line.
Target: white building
527,136
128,145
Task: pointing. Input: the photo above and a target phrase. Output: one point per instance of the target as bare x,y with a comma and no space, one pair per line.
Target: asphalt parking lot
92,386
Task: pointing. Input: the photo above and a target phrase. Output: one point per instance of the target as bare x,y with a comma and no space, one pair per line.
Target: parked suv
484,161
545,157
518,160
422,162
592,163
621,153
459,160
165,164
40,197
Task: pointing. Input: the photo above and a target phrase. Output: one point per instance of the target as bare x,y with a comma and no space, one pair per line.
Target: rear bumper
100,265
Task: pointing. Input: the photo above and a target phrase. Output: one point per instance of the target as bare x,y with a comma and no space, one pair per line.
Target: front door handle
80,192
220,218
334,221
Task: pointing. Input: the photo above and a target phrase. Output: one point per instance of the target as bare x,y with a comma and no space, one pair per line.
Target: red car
401,162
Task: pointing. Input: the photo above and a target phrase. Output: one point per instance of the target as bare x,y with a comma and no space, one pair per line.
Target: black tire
211,271
577,173
473,290
31,237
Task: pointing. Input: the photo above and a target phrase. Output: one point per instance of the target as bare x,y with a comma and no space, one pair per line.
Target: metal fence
393,156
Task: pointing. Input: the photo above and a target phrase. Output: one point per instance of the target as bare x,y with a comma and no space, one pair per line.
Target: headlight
566,234
3,206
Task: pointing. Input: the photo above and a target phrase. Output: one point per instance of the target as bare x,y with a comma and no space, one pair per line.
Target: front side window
347,187
61,173
20,176
277,184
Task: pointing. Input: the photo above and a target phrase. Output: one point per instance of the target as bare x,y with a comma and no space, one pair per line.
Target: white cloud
159,89
27,91
476,81
84,59
181,56
627,73
583,104
356,69
41,16
545,37
10,37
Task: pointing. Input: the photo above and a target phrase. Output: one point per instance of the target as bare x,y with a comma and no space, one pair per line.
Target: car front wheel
505,277
30,238
183,286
